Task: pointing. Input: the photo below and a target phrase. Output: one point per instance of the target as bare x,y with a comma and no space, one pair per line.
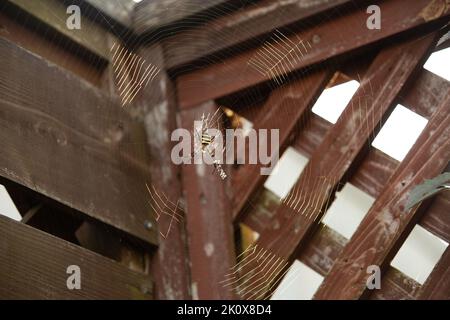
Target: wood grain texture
54,14
235,28
388,222
343,144
63,138
154,14
437,218
208,221
54,51
429,91
437,286
156,107
396,286
221,79
33,265
119,10
284,110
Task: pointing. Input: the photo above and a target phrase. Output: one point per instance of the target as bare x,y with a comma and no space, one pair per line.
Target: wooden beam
208,221
343,144
283,110
155,14
388,222
65,139
219,80
437,286
156,107
53,51
33,265
233,29
53,13
118,10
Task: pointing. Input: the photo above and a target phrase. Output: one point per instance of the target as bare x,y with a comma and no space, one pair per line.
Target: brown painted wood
324,248
33,265
387,222
284,110
396,286
225,78
208,221
53,14
119,10
235,28
343,144
86,152
54,51
430,90
155,14
437,218
437,286
156,107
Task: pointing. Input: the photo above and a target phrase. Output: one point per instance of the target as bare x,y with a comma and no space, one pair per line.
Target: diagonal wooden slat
33,265
388,222
326,42
233,29
284,109
345,142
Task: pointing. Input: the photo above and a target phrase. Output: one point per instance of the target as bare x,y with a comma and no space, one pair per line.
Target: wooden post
209,221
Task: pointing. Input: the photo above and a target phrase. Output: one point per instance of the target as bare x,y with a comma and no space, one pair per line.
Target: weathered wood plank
54,14
437,286
344,142
396,286
437,218
51,50
430,90
237,27
387,220
208,221
324,248
33,265
63,138
155,14
156,107
119,10
225,78
284,110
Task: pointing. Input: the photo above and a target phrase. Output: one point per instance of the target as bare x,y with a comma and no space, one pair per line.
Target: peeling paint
209,249
194,291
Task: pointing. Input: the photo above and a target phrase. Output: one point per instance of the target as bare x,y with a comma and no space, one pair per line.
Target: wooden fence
92,176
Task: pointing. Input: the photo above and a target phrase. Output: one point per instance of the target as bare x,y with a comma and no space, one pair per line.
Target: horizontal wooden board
54,14
154,14
51,50
33,265
119,10
65,139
